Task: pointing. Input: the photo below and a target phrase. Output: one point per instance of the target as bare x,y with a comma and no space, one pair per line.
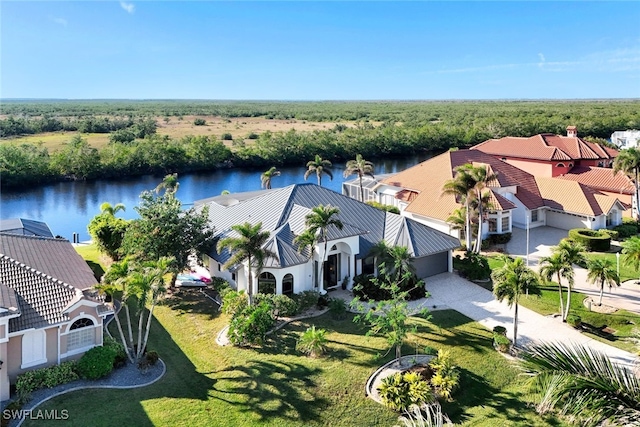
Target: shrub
500,330
430,350
219,285
383,207
501,343
446,377
252,135
400,390
226,137
323,301
592,240
281,305
473,266
152,357
96,363
613,234
121,355
306,300
313,342
367,289
199,122
49,377
338,308
626,230
574,320
500,239
250,326
234,302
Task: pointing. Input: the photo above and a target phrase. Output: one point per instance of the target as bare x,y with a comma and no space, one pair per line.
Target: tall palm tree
583,384
109,209
457,219
461,187
248,246
482,177
307,240
266,177
510,281
631,252
320,167
555,265
169,184
571,253
602,271
628,161
318,222
360,167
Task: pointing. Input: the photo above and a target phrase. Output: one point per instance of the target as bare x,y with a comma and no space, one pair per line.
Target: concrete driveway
541,241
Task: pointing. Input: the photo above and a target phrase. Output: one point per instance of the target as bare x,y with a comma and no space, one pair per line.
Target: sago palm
602,272
313,342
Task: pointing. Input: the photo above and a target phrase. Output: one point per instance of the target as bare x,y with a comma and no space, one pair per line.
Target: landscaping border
370,392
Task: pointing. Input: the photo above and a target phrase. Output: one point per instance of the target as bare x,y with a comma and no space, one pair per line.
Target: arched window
334,248
560,165
81,336
266,283
570,165
287,284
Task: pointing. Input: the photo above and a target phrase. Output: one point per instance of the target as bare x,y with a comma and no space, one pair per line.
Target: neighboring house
517,198
548,154
48,310
283,212
626,138
25,227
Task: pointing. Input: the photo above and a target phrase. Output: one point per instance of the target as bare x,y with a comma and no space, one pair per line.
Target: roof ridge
25,236
32,270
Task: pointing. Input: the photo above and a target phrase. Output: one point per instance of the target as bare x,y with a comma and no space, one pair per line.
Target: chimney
572,131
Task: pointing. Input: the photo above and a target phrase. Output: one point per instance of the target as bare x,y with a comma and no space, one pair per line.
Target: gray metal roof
25,227
54,257
289,206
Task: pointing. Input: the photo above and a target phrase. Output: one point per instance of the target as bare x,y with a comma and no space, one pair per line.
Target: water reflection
69,206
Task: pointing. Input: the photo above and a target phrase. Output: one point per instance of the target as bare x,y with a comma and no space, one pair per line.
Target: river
67,207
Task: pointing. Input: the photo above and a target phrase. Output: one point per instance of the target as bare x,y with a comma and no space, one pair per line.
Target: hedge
593,241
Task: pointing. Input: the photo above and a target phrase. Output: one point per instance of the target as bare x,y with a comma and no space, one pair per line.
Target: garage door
432,264
564,221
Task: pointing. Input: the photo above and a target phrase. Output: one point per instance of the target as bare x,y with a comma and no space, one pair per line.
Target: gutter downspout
59,326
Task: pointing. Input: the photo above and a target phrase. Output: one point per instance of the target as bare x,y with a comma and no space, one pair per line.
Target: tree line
15,126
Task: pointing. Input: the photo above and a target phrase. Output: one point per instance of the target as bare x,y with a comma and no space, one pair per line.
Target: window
233,276
560,165
34,348
368,265
287,284
266,283
493,225
81,335
534,216
505,224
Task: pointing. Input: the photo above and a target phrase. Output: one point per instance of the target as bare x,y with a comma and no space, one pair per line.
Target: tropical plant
109,209
631,252
320,167
602,272
554,265
446,376
107,231
338,308
628,161
462,188
318,222
400,390
571,253
360,167
251,325
583,384
313,342
249,247
267,176
169,184
482,176
424,415
510,281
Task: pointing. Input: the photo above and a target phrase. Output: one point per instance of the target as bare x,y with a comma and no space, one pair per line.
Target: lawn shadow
272,390
191,301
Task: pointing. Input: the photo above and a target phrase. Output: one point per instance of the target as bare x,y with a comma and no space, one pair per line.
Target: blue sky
320,50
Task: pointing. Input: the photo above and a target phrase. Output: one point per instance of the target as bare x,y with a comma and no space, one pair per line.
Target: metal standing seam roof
54,257
25,227
278,208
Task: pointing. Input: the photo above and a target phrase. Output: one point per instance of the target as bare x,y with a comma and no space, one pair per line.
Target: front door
331,271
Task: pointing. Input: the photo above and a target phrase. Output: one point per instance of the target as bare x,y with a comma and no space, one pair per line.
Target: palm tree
631,252
457,219
319,166
318,222
247,247
107,208
583,384
305,240
266,177
628,161
400,267
571,253
461,187
510,281
482,177
360,167
603,272
555,265
169,184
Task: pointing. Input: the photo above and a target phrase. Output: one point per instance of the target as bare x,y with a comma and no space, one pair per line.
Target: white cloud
129,7
542,60
59,21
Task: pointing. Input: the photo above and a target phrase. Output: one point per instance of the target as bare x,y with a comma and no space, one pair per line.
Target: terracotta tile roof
601,179
54,257
574,197
498,202
545,147
427,179
407,195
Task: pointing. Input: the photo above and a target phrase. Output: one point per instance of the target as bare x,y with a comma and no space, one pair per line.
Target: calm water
67,207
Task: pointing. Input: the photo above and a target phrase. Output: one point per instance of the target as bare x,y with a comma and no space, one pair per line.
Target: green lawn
95,259
627,272
275,386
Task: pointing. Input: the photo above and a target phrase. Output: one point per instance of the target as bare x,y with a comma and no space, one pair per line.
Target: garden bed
403,364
